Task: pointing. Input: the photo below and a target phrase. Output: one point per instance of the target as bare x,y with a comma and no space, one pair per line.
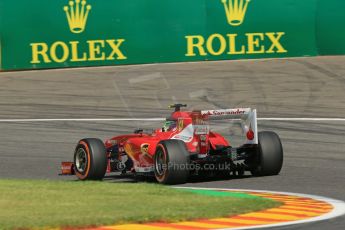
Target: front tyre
171,162
90,159
269,158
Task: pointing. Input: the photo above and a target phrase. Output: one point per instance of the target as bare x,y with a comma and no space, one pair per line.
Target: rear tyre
90,159
269,158
171,162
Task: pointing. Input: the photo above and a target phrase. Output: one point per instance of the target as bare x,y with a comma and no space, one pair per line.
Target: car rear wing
246,116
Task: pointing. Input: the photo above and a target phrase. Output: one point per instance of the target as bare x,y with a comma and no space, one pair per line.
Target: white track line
338,207
156,119
301,119
82,119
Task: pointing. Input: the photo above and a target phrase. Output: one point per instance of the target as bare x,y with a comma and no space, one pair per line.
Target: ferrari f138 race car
183,147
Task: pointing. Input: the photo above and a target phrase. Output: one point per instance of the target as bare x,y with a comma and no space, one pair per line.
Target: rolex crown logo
235,11
77,12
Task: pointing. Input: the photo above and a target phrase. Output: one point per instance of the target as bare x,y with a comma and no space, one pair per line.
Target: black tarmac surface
304,87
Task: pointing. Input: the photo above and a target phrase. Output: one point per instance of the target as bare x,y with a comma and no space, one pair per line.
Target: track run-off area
295,209
44,113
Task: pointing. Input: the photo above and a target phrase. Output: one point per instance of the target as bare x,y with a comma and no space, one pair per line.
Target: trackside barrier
72,33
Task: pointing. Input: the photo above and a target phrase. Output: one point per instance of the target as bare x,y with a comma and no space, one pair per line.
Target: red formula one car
184,146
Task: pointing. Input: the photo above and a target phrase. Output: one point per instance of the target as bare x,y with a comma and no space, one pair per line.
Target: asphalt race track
287,88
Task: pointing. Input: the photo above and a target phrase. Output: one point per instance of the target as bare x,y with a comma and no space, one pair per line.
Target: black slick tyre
269,158
171,162
90,159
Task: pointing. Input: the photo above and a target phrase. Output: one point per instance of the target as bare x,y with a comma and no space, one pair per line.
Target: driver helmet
169,125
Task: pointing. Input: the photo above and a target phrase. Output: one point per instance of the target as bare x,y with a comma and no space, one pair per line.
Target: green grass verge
39,204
